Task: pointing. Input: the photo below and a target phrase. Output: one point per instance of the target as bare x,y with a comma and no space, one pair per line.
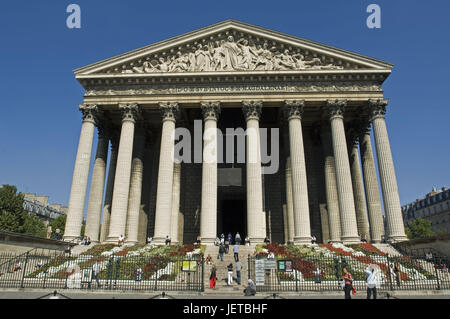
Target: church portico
257,83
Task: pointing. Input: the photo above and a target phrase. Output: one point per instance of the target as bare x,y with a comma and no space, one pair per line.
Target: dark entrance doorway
234,218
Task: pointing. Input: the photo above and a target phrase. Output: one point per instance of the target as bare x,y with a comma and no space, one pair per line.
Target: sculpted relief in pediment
229,54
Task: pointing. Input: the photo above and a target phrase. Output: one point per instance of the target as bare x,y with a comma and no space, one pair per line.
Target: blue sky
40,122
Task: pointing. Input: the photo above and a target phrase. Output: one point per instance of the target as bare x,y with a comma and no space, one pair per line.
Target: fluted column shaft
289,202
80,173
358,193
388,180
334,222
117,226
302,226
256,218
165,173
208,217
97,187
134,201
371,187
175,203
349,230
109,189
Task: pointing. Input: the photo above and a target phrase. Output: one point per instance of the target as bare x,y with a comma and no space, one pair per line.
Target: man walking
236,252
95,271
221,251
237,239
371,282
230,274
238,272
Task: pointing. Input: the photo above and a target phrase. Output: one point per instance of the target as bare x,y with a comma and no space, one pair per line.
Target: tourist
348,281
227,246
247,241
198,241
95,271
230,238
238,266
237,239
266,240
213,277
318,276
139,274
230,274
217,241
271,255
313,239
329,241
168,240
121,239
250,290
371,282
39,264
221,251
363,238
236,252
149,240
397,273
222,239
208,259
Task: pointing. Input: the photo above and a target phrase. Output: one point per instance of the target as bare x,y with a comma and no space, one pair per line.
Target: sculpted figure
192,60
231,51
264,60
247,54
179,64
218,56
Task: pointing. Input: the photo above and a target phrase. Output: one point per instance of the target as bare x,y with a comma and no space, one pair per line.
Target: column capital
252,109
90,112
335,108
293,109
377,108
130,112
210,110
169,111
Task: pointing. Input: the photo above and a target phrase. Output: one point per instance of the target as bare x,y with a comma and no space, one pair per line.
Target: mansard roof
232,47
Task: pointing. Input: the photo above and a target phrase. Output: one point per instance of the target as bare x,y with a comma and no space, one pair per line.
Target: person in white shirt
371,282
95,271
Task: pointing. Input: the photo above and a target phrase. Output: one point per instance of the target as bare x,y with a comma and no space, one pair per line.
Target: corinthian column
349,230
97,187
130,113
165,173
137,171
256,218
334,222
358,191
289,203
208,217
175,203
371,186
302,227
109,187
389,188
80,172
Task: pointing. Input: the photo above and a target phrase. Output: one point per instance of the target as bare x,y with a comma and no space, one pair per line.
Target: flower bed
332,258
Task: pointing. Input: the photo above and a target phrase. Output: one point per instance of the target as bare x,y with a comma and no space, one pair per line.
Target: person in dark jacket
221,252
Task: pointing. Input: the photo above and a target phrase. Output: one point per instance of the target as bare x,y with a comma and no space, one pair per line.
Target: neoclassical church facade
319,104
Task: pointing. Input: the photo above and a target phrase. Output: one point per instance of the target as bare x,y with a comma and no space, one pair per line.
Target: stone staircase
78,249
222,271
388,249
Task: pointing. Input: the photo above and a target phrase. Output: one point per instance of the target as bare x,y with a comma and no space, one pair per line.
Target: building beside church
310,106
435,207
39,206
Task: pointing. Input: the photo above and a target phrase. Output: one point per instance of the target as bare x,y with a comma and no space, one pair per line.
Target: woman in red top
347,277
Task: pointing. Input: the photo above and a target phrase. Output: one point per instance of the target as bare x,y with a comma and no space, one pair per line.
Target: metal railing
69,271
318,273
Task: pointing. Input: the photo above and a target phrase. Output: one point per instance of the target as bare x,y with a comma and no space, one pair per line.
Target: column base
70,238
254,240
351,240
302,240
207,241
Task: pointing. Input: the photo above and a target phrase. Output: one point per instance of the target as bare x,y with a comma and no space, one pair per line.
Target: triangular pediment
232,46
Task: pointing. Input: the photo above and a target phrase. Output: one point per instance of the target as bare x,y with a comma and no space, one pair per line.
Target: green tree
58,223
12,214
34,226
419,228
